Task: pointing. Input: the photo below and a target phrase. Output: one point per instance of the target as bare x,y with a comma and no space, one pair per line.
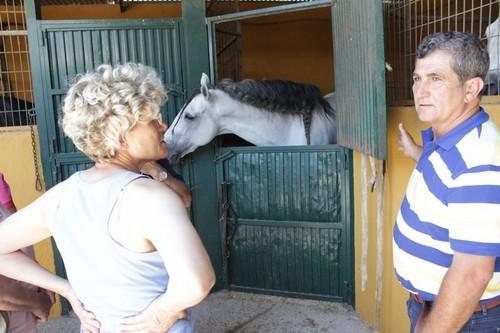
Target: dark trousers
486,321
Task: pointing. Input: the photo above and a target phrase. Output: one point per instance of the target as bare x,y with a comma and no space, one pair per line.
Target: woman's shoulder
149,190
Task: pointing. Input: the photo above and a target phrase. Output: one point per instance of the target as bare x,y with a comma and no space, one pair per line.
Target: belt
479,307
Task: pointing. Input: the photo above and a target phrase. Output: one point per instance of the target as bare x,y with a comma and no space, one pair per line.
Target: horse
491,84
262,112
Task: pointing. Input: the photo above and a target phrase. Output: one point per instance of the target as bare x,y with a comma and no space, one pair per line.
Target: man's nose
420,89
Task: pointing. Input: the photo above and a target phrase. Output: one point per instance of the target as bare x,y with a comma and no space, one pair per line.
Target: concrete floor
236,312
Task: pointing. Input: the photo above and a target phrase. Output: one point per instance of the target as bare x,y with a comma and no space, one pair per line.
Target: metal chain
32,118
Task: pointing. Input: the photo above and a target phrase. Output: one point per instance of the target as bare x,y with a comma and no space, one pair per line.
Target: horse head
491,86
194,125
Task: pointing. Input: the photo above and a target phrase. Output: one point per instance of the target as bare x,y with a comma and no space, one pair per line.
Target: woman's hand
88,321
152,320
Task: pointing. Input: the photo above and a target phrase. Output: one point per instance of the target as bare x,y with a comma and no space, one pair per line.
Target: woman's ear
123,141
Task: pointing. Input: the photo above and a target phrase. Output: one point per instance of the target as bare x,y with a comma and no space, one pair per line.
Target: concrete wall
393,303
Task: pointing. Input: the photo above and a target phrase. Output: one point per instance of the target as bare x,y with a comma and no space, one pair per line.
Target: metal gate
285,220
68,48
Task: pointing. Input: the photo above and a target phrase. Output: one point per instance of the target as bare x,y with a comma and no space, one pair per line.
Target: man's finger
402,130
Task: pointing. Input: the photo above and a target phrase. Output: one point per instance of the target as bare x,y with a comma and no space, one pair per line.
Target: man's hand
422,317
407,145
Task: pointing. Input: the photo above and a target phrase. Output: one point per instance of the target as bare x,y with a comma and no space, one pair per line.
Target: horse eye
188,116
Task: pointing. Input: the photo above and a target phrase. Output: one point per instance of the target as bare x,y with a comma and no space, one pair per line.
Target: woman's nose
163,127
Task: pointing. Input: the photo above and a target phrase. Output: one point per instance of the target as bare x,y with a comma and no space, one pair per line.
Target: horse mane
286,97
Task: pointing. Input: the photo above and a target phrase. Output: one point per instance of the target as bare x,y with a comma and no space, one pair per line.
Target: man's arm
155,170
460,291
180,188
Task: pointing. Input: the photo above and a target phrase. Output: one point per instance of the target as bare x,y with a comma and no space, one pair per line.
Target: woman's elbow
201,285
206,283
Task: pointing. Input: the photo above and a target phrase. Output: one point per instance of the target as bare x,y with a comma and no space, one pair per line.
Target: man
163,172
176,182
446,242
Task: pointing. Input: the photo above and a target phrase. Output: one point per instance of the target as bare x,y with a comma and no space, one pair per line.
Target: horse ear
204,82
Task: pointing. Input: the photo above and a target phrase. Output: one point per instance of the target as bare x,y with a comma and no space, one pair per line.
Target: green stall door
285,226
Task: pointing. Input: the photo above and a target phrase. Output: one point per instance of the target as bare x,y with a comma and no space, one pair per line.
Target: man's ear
473,88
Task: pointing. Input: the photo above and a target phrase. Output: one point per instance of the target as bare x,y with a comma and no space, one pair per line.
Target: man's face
438,93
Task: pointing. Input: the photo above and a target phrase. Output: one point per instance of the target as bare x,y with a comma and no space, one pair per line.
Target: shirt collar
451,138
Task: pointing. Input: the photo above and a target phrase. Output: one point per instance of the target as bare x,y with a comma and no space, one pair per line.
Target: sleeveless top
110,280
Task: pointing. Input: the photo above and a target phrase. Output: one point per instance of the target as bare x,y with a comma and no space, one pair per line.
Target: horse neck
260,127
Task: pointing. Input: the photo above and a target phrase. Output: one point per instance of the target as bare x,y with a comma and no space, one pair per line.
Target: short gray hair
469,56
101,106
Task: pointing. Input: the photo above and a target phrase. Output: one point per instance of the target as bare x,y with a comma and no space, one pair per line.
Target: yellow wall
16,163
393,306
294,46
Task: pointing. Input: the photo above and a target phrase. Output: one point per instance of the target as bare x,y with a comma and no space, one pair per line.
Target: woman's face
144,142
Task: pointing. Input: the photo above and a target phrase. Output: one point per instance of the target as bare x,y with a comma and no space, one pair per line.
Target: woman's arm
27,227
164,222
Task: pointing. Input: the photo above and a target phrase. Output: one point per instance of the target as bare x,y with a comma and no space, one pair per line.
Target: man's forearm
459,295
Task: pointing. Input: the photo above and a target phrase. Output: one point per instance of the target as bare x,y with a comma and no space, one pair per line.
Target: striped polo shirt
452,203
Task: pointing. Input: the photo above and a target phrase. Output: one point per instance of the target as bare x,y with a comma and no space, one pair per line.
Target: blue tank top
110,280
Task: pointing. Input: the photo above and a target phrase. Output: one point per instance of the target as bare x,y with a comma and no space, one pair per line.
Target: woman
118,232
22,304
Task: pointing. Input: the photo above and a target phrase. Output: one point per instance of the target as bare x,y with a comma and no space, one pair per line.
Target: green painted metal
360,75
203,169
68,48
288,220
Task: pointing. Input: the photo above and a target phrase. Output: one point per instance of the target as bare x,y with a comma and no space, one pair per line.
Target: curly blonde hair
103,105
